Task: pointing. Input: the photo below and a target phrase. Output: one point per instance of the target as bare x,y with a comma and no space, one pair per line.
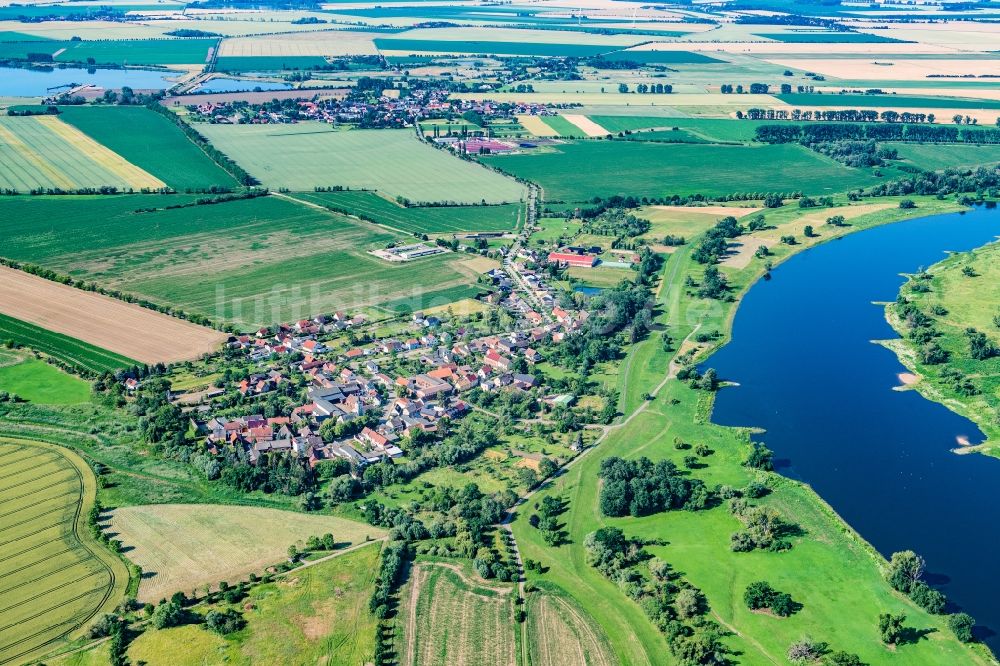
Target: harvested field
319,43
560,633
185,546
893,68
123,328
255,97
44,152
72,352
589,127
450,619
55,577
303,156
536,125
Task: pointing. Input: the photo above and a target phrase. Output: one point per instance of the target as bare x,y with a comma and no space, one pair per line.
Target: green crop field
887,101
721,130
267,63
42,152
150,141
317,615
253,262
564,128
140,51
37,381
816,37
308,155
456,620
211,542
664,57
579,171
55,577
72,352
485,47
425,220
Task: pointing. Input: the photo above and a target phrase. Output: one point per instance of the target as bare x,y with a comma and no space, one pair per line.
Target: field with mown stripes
53,576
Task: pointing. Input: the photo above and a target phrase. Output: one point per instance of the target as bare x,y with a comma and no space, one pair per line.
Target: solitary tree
890,627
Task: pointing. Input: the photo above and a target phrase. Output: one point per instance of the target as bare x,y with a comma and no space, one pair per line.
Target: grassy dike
831,570
968,299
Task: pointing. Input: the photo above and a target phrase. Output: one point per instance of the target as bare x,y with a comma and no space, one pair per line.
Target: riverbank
830,569
957,293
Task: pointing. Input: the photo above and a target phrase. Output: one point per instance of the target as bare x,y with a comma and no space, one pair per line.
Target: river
809,375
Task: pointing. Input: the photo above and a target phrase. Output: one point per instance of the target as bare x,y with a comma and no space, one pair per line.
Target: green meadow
37,381
581,170
308,155
887,101
140,51
151,142
267,63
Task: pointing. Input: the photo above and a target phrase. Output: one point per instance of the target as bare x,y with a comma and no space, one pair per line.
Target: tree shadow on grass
913,635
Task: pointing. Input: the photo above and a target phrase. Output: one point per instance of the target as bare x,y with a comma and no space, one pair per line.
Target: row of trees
904,131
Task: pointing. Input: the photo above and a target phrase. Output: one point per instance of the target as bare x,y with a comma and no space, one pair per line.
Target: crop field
140,51
39,382
317,615
563,128
326,43
647,57
151,142
488,47
816,37
304,156
185,546
267,63
561,633
714,130
44,152
425,220
887,101
296,260
55,578
63,348
126,330
654,169
450,619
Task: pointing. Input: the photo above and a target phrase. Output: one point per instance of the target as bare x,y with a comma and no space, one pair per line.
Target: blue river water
36,82
810,376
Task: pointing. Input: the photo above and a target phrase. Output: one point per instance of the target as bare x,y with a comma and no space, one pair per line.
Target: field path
124,328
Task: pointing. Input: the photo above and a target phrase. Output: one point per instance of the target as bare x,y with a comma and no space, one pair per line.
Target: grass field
428,220
447,618
937,156
37,381
209,543
664,57
61,347
560,633
294,260
140,51
44,152
55,577
650,169
317,615
840,604
304,156
151,142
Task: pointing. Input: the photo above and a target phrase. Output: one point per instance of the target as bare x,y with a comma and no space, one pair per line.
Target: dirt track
123,328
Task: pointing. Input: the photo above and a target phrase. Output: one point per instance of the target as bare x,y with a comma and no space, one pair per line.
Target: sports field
185,546
44,152
294,260
308,155
581,170
55,577
424,220
149,141
448,618
126,330
317,615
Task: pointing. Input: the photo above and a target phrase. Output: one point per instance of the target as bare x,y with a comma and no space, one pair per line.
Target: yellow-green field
186,546
560,633
54,577
44,152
